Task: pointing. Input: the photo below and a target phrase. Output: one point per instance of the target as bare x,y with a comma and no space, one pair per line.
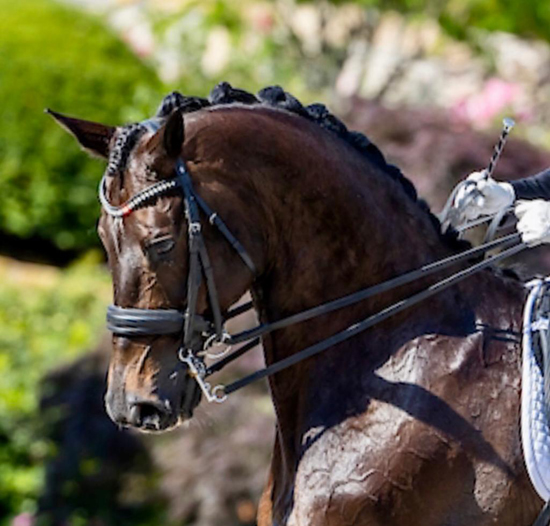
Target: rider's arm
534,187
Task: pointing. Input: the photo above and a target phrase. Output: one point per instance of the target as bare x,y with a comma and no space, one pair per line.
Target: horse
413,422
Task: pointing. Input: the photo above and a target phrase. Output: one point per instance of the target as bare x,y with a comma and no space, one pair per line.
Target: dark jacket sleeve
534,187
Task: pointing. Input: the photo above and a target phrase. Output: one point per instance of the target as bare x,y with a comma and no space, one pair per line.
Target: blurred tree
53,56
530,19
249,44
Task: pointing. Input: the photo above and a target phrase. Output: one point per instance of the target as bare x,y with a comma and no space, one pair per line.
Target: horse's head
148,249
309,203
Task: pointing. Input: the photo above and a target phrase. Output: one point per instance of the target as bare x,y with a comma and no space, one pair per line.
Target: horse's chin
181,421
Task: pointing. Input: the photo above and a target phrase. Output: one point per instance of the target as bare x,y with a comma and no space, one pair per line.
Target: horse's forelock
125,140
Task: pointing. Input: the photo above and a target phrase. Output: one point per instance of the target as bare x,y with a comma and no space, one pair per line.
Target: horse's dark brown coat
415,422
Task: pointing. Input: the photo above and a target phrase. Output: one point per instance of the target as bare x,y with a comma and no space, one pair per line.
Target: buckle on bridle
197,370
195,228
213,342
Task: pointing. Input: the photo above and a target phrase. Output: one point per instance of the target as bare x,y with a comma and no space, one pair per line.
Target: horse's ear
169,138
92,136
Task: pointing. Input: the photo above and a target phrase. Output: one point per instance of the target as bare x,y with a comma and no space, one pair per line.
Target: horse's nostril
148,415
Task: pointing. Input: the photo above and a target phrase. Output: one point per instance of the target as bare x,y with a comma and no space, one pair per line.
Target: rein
199,335
513,248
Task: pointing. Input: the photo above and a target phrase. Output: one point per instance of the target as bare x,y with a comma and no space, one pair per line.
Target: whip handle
508,124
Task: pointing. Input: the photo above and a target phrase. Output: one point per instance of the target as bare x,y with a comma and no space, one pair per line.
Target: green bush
53,56
47,317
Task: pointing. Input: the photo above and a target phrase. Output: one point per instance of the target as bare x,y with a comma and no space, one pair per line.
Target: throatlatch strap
214,219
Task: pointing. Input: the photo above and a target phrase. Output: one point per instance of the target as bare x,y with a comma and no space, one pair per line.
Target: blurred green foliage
47,317
526,18
248,44
53,56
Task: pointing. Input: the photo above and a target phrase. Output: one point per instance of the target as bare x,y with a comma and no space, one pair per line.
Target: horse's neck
335,231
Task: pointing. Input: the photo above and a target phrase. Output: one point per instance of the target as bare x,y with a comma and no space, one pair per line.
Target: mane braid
275,97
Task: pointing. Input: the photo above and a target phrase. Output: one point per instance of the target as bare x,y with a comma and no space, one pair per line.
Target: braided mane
274,97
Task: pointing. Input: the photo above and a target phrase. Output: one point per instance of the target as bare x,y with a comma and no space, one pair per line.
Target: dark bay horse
414,422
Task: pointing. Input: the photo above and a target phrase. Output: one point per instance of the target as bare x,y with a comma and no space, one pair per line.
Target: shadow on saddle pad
540,338
535,398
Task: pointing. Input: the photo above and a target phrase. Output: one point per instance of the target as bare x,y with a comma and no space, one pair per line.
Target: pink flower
23,519
483,107
262,18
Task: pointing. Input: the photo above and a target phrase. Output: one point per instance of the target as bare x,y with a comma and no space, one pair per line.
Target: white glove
533,221
485,197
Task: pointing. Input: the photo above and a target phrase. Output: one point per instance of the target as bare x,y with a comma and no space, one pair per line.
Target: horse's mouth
154,429
157,423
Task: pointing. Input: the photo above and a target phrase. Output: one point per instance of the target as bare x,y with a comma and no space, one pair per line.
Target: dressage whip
508,124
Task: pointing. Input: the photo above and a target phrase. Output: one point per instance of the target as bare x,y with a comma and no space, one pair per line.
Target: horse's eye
159,247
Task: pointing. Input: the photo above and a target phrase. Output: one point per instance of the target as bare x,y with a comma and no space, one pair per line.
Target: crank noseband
150,322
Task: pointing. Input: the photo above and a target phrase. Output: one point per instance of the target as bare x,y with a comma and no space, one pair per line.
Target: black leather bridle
198,334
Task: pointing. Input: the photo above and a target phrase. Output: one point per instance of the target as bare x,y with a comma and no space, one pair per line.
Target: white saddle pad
535,429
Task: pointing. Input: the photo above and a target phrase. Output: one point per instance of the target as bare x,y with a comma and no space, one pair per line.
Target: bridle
199,335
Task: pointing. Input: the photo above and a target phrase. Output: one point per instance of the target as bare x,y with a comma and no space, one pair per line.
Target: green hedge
53,56
47,317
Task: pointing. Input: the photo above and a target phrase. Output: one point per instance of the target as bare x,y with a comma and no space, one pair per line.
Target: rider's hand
533,221
484,196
